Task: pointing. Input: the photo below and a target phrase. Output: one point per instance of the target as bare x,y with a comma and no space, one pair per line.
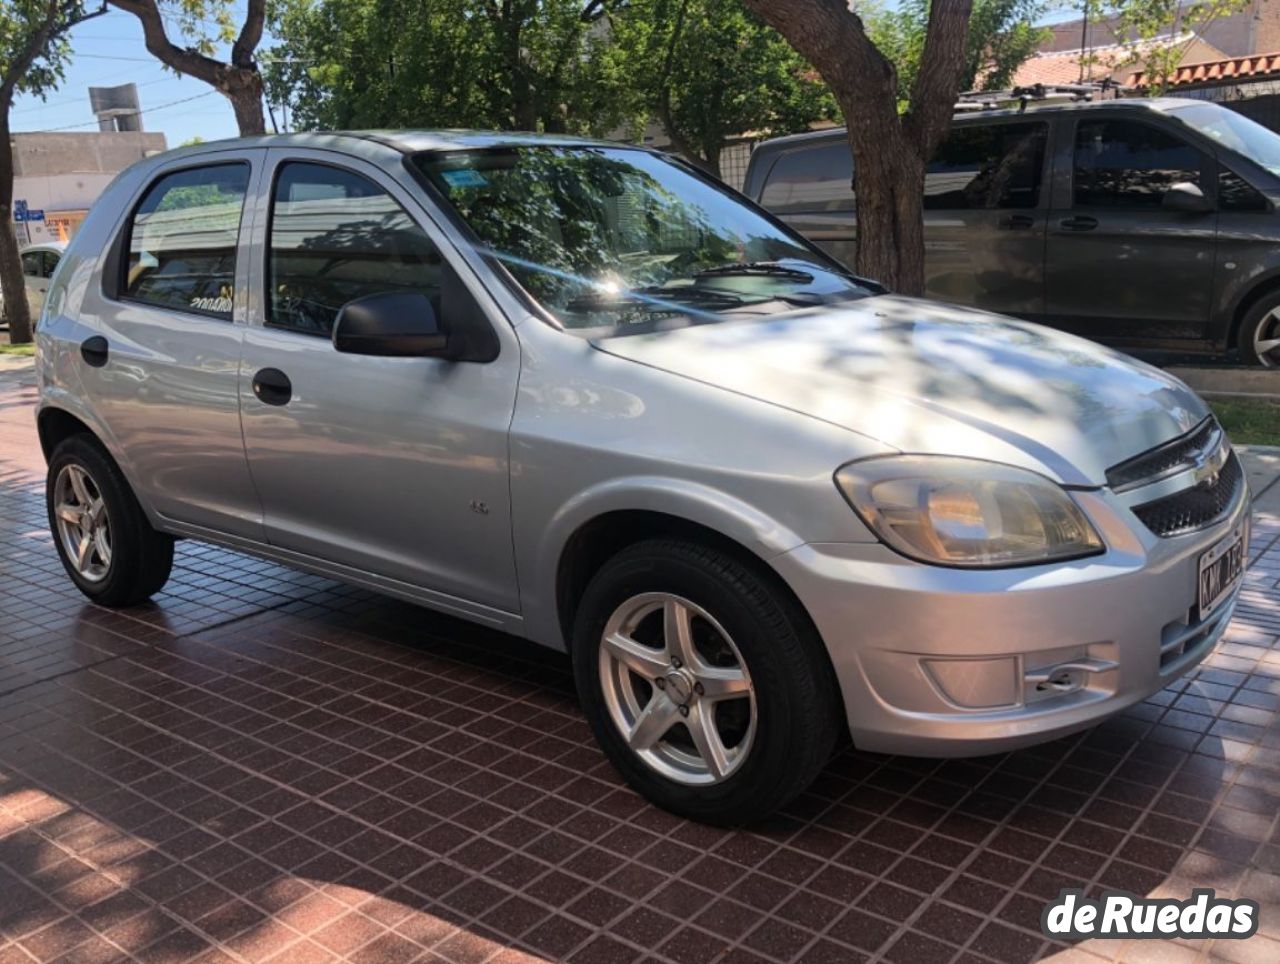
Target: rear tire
755,693
104,540
1259,340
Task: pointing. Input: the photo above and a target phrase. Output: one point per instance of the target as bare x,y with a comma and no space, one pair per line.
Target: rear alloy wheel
104,540
1260,334
84,527
704,682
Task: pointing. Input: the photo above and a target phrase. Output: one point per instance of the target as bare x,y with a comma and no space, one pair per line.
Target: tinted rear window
817,178
992,166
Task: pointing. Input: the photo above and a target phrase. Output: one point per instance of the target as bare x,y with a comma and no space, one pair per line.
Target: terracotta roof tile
1234,68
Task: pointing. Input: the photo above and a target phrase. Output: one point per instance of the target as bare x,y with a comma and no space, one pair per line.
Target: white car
38,262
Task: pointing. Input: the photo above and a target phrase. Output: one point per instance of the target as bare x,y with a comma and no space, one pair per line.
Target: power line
49,104
137,60
148,110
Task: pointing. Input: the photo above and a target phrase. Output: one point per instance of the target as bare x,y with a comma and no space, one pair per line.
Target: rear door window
989,166
809,179
1127,164
183,237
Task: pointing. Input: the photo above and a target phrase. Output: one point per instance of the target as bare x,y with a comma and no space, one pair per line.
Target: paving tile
266,765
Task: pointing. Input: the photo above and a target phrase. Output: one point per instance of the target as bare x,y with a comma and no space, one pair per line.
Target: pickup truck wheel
705,686
103,537
1260,334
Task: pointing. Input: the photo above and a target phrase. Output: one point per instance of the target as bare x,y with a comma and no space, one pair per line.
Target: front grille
1194,508
1167,459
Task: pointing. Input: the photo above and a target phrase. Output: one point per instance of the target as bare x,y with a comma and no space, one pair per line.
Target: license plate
1221,569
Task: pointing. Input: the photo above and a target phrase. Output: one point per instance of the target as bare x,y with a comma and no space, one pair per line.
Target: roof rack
974,100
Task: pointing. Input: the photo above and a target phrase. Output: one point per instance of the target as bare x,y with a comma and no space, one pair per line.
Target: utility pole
1084,36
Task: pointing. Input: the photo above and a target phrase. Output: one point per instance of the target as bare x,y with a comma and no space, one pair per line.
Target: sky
109,50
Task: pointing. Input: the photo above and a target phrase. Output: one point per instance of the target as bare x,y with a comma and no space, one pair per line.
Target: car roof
56,246
1161,104
405,141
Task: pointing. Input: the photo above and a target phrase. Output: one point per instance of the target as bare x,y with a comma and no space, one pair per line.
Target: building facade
57,176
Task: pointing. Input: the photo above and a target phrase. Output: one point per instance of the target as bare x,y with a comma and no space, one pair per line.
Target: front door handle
94,351
1080,222
271,386
1018,222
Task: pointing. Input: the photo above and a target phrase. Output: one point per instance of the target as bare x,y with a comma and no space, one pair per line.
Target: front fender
690,501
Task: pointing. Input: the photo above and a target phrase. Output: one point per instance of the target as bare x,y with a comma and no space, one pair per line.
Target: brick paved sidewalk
266,765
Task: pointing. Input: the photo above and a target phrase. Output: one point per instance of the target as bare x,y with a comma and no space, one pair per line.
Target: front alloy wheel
704,681
677,688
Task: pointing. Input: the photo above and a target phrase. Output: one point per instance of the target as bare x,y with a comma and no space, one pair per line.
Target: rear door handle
271,386
94,351
1016,222
1080,222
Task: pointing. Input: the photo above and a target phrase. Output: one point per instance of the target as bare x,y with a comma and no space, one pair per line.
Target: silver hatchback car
580,393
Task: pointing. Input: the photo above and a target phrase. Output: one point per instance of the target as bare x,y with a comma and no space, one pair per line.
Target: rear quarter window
809,179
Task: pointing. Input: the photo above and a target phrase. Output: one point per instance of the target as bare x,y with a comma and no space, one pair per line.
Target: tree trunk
245,94
711,160
889,202
239,80
11,282
890,152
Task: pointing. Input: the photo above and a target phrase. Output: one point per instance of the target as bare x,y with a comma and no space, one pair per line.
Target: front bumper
949,662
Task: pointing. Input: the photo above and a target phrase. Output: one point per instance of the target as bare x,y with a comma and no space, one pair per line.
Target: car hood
929,378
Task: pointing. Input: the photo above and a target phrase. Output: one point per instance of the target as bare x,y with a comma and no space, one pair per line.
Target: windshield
623,239
1235,131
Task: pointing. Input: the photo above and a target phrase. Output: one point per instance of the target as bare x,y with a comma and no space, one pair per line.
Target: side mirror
1186,198
399,324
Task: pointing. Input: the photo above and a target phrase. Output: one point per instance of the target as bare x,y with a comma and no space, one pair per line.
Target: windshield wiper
773,269
666,299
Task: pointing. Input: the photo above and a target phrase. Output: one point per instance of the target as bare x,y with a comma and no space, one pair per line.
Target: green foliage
203,24
518,64
21,22
709,70
1002,35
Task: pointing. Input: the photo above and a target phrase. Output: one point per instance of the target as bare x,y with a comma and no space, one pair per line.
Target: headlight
964,512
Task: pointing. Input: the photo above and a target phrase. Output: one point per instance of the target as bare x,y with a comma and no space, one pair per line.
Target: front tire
703,681
1259,341
104,540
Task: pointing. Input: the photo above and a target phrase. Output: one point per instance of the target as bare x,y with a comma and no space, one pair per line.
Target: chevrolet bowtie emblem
1208,465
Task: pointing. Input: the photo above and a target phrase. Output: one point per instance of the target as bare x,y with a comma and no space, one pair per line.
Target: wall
63,173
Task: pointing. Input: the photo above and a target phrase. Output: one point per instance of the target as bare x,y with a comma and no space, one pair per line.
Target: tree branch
250,35
181,59
932,101
58,22
832,36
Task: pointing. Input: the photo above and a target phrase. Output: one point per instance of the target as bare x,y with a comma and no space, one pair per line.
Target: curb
1258,383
